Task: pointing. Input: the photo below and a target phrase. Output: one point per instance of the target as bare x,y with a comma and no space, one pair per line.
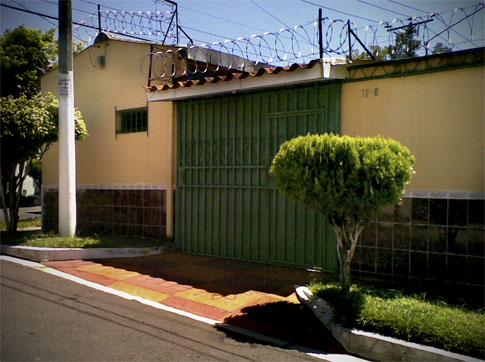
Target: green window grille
132,120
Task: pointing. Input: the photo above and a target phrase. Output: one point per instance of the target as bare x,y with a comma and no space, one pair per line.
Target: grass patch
52,240
35,222
415,318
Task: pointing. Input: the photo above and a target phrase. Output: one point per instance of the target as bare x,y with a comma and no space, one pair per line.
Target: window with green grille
132,120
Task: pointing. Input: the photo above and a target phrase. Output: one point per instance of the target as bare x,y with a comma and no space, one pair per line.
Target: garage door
226,203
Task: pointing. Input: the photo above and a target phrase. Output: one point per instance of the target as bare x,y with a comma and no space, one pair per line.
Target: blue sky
208,21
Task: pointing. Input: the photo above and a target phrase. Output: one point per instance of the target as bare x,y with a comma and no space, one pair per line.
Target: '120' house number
370,92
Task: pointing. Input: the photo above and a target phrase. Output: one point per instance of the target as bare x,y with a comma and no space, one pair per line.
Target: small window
132,120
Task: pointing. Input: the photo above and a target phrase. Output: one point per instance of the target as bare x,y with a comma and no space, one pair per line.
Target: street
25,213
44,317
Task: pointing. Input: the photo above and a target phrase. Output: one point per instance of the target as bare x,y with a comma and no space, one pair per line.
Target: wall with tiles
426,239
123,210
437,233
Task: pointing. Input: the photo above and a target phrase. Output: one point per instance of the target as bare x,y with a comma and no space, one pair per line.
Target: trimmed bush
346,178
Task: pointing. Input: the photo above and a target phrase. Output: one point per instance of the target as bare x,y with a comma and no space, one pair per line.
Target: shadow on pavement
289,322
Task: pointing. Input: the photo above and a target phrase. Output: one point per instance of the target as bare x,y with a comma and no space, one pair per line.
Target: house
125,170
124,166
199,172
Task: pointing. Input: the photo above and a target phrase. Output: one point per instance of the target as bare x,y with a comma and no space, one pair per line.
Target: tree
29,121
439,48
29,127
25,54
35,170
347,179
405,45
78,46
378,53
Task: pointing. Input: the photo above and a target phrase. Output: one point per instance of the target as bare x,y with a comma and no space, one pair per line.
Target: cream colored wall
104,158
438,116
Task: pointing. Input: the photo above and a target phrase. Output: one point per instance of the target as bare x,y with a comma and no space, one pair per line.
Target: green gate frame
226,203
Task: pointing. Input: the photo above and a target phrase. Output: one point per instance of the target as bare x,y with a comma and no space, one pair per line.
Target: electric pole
67,148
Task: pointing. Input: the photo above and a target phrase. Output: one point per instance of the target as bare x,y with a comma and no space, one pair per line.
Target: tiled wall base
111,211
426,239
423,239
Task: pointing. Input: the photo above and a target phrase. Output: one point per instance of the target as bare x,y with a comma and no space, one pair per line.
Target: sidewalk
256,297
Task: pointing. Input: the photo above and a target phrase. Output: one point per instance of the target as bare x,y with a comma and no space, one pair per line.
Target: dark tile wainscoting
427,239
137,211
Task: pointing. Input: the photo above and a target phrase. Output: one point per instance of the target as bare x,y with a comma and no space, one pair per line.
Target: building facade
200,171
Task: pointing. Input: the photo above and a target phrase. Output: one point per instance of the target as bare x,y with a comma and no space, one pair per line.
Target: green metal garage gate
226,203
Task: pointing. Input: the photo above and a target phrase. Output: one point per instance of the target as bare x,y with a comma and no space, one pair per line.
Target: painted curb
370,345
58,254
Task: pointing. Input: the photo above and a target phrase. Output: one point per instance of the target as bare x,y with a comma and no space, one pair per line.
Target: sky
258,23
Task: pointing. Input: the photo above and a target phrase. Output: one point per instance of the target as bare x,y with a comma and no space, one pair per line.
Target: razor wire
441,29
133,23
155,25
299,44
283,47
138,22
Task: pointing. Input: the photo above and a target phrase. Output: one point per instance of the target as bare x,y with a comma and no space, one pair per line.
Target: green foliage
78,46
29,121
29,127
347,179
22,224
25,54
35,170
405,45
343,177
413,318
378,53
52,240
439,48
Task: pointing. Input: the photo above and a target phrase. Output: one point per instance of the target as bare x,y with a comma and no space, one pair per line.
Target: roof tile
236,75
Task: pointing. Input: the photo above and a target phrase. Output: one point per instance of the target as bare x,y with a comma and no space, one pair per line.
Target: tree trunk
345,279
344,264
3,199
18,192
13,192
347,239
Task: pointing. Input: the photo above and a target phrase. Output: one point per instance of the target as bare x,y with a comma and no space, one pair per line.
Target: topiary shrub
346,178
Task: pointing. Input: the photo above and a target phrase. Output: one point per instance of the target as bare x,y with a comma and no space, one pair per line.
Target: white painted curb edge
57,254
371,345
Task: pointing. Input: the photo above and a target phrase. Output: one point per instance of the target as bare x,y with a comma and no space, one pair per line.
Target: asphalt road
44,317
25,213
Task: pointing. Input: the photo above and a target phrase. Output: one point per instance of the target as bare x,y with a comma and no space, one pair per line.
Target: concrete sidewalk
253,296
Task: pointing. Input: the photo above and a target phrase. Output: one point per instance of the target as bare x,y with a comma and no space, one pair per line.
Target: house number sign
366,93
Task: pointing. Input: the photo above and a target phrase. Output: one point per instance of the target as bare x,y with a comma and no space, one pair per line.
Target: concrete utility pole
67,148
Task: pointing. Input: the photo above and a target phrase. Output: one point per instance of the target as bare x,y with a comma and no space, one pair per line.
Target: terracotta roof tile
230,76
